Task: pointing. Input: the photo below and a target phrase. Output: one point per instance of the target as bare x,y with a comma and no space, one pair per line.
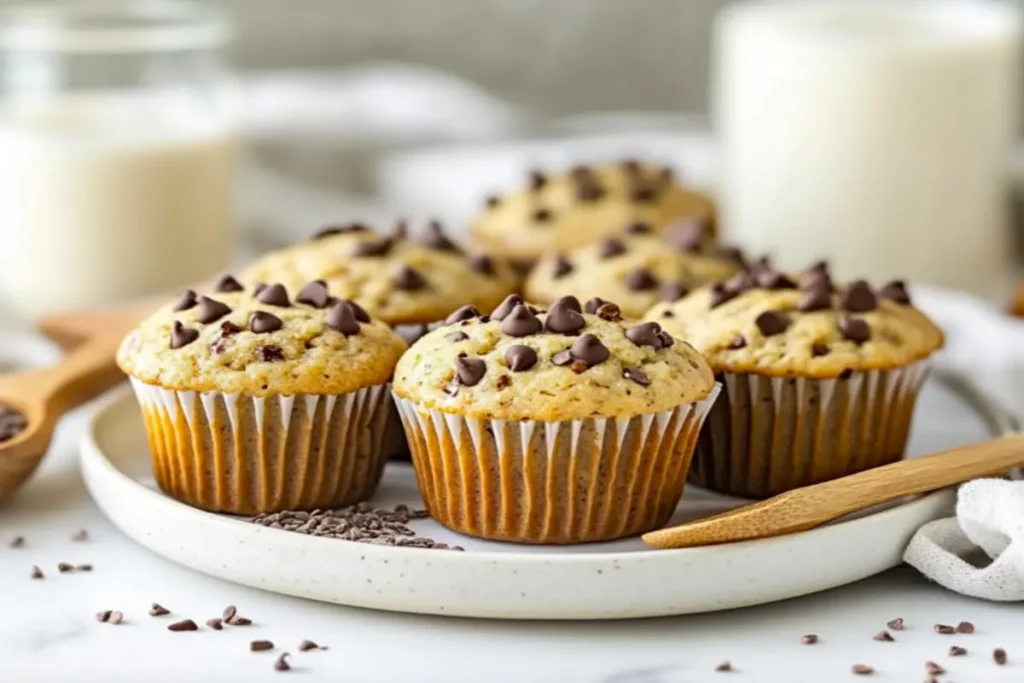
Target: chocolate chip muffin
562,426
261,400
819,380
561,212
636,269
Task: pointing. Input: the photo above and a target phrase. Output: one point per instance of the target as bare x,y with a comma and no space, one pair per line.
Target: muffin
565,211
406,281
259,401
819,381
636,269
561,426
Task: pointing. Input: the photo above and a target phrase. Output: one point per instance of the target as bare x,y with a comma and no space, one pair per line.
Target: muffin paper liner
573,481
771,434
249,455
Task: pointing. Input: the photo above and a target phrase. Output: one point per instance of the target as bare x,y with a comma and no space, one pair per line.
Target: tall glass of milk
872,132
117,152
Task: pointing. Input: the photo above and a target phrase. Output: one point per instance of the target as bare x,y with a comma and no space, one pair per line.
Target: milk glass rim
112,26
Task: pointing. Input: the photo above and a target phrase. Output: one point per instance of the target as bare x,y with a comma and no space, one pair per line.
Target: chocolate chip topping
314,294
506,306
261,322
271,353
819,349
856,330
342,317
589,349
649,334
638,228
274,295
407,279
640,280
610,247
456,336
741,282
773,279
520,358
570,301
492,201
815,299
637,375
685,235
562,267
469,371
542,215
520,322
434,238
182,336
228,284
563,318
466,312
719,294
361,314
481,263
738,342
858,297
375,247
332,230
187,301
537,180
673,291
771,323
211,310
588,189
593,304
895,291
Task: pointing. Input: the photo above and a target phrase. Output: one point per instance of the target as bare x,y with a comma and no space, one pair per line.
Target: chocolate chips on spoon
211,310
520,322
274,295
520,358
469,371
342,317
182,336
314,294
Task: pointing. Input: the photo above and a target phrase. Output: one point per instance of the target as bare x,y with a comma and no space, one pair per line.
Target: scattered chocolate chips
282,663
260,645
856,330
274,295
228,284
861,670
521,323
673,291
361,523
999,656
466,312
944,629
933,669
809,639
12,423
456,337
648,334
506,306
738,342
158,610
371,248
216,624
965,627
819,349
589,349
637,375
80,536
537,180
858,298
771,323
481,263
261,322
182,336
883,636
640,280
65,567
815,299
957,651
719,294
611,247
17,542
724,667
469,371
83,567
184,625
408,279
110,617
187,301
307,645
773,279
211,310
896,624
342,317
895,291
638,228
37,573
520,358
332,230
686,235
314,294
563,318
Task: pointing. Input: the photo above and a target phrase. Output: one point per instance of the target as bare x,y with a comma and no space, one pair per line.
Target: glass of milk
875,133
117,152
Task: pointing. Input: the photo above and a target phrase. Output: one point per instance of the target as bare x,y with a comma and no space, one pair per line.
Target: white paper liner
250,455
769,435
573,481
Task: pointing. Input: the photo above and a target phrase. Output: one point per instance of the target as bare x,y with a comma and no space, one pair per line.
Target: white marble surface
48,628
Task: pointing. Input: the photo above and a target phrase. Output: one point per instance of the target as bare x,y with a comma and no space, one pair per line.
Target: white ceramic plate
601,581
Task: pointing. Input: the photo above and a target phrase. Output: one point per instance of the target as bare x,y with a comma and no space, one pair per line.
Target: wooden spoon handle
812,506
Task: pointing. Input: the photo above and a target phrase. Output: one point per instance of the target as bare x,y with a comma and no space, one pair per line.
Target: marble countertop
49,627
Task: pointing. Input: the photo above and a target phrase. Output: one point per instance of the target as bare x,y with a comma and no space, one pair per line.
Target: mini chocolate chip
610,247
773,279
562,358
274,295
258,287
646,334
521,322
434,238
187,301
819,349
637,375
466,312
884,637
896,624
492,201
895,291
261,322
228,284
858,297
581,171
182,336
589,349
815,299
673,291
642,193
271,353
307,645
640,280
184,625
229,613
399,231
211,310
469,370
724,667
542,215
610,312
638,228
630,166
456,337
809,639
562,267
738,342
260,646
570,301
36,573
314,294
332,230
593,304
719,294
407,279
772,322
965,627
361,314
957,651
481,263
999,656
158,610
588,189
65,567
816,280
342,317
506,306
375,247
686,235
856,330
861,670
239,621
933,669
564,319
520,358
537,180
666,339
741,282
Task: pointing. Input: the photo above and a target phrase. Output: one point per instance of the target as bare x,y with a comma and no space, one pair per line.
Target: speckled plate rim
503,585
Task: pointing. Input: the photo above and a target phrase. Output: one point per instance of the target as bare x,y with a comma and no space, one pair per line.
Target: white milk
107,197
872,133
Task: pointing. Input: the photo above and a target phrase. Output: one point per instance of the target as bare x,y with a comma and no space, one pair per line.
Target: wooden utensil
812,506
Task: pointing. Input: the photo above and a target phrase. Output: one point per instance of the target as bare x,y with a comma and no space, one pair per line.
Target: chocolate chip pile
361,523
12,423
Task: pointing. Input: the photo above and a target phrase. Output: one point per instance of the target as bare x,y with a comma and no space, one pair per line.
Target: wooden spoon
812,506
